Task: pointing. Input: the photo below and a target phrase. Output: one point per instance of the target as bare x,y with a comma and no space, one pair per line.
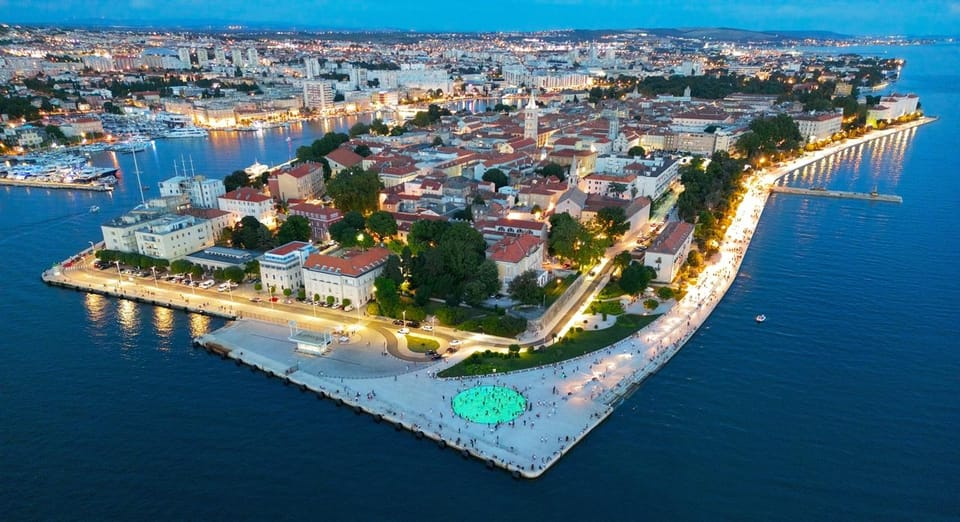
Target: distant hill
742,35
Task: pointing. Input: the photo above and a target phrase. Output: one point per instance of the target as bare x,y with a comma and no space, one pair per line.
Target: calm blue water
843,405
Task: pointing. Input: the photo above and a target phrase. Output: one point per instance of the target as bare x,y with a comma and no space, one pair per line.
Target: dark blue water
845,404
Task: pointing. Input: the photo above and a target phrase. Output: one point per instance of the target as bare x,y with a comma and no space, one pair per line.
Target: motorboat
761,318
94,209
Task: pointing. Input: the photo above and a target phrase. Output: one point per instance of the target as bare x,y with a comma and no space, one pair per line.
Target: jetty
841,194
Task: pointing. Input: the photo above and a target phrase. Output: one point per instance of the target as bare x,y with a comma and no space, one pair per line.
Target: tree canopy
251,234
612,222
635,277
295,228
526,289
497,177
381,225
355,189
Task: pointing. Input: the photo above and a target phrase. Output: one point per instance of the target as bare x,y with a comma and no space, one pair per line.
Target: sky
853,17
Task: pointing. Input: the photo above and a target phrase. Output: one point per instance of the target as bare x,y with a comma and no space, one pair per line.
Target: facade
305,181
317,95
246,201
118,233
282,267
669,250
514,255
816,127
350,276
321,218
173,237
531,119
202,192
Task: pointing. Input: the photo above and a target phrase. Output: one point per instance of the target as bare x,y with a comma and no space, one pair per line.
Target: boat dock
96,187
869,196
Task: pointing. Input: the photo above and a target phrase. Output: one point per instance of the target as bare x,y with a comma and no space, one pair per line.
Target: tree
497,177
563,235
526,289
295,228
381,224
387,297
622,260
233,273
437,141
180,266
488,275
636,277
617,189
379,128
359,129
392,270
612,222
554,170
362,150
235,180
426,233
355,189
635,151
251,234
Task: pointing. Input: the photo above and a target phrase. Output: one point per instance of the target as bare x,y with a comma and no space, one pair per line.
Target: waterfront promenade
566,400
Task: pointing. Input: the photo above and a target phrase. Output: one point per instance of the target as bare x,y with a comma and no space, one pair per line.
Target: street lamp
360,240
119,274
154,269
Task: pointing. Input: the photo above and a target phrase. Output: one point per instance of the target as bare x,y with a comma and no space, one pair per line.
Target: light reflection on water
199,325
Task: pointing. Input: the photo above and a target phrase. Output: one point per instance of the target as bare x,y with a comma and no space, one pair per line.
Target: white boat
94,209
186,132
761,318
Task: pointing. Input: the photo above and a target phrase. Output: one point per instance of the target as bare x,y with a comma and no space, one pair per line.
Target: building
219,219
342,158
514,255
253,59
246,201
118,233
305,181
819,126
318,95
172,237
320,218
348,276
892,107
202,192
669,251
215,257
531,123
282,267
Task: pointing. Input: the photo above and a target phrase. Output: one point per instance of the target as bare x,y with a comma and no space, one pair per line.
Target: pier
869,196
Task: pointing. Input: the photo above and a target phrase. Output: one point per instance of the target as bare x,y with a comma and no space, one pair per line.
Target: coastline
595,383
55,185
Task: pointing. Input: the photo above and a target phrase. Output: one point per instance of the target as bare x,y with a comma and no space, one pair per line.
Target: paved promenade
565,401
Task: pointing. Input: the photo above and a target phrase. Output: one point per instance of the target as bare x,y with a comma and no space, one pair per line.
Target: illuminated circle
489,404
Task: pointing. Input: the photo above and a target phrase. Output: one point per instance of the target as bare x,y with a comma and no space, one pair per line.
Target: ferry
761,318
186,132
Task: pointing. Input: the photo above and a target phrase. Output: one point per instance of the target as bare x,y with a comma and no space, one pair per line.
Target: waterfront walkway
565,400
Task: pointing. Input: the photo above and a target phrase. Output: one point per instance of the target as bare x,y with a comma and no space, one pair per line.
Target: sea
843,405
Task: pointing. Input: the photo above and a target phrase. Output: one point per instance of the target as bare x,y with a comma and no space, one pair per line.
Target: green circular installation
489,404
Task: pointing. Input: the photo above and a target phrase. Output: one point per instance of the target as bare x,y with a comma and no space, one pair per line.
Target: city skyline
856,17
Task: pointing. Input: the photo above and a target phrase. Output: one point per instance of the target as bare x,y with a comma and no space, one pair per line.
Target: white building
669,250
202,192
892,107
236,56
282,267
172,237
350,276
531,124
246,201
317,95
816,127
253,59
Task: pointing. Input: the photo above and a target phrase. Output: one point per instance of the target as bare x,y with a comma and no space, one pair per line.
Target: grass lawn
576,344
421,344
611,290
606,307
554,289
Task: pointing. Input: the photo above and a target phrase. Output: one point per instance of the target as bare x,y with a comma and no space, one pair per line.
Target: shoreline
54,185
566,400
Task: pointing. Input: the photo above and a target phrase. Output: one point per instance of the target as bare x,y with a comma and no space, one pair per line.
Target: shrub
650,304
451,316
664,292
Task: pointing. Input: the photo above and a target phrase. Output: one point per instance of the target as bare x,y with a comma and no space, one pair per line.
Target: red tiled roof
669,241
353,263
513,249
345,157
246,194
204,213
292,246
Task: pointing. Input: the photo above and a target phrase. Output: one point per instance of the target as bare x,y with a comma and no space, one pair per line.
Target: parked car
413,324
427,328
398,322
